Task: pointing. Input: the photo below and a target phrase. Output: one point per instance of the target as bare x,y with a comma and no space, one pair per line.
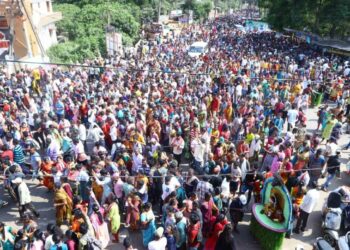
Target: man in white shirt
24,198
331,147
82,133
198,150
53,150
178,144
170,184
306,207
78,148
159,242
113,134
136,161
292,117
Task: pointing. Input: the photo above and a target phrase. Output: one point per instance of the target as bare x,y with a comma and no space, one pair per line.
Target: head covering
243,199
17,180
159,232
179,215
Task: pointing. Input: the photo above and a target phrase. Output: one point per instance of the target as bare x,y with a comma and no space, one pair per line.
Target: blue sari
148,233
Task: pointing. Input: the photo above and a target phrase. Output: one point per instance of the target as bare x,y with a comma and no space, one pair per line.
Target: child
171,240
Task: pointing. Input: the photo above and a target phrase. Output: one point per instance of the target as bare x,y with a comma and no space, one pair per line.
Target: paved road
43,202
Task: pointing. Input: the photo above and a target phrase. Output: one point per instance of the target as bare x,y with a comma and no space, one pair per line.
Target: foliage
200,9
84,25
268,239
325,17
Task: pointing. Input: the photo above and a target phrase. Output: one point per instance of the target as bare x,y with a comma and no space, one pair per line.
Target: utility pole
159,9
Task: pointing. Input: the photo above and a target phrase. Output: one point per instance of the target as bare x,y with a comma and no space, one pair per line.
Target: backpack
93,244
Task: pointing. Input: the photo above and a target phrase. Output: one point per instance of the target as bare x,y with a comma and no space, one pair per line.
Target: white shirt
198,149
178,145
292,116
78,149
331,149
225,188
305,177
157,244
49,242
137,161
24,194
171,187
82,132
239,90
346,71
310,201
83,176
113,133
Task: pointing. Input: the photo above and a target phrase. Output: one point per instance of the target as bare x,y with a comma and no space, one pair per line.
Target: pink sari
100,228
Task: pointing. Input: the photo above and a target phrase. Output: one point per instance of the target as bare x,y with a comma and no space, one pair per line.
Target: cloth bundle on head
243,199
17,180
159,232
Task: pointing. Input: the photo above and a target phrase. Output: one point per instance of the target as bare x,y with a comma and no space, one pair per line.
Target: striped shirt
18,155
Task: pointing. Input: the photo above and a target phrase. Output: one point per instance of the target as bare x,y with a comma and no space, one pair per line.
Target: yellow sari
64,206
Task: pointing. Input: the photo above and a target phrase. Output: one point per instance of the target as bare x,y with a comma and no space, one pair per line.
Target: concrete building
44,21
31,25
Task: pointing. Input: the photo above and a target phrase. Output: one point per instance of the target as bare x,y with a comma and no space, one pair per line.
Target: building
31,25
44,19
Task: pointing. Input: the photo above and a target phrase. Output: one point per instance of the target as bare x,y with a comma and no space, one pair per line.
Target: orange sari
48,180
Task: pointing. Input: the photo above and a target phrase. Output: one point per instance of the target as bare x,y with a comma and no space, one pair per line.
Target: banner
256,26
5,42
114,43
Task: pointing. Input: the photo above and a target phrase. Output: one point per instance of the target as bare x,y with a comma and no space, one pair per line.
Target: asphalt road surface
42,200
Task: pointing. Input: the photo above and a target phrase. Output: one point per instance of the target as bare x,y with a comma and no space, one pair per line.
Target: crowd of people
175,146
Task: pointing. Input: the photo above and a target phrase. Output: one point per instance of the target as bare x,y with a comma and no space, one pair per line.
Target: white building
44,19
32,25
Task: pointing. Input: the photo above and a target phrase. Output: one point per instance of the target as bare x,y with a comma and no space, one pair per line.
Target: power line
147,70
185,172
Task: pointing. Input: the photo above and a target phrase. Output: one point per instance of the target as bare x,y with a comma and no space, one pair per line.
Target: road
43,202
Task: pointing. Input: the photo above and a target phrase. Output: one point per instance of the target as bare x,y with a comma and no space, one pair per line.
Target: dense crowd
174,146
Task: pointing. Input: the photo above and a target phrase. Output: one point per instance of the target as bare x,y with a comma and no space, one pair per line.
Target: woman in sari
217,228
113,217
46,167
66,187
327,131
148,224
63,204
99,225
303,156
7,237
207,208
133,211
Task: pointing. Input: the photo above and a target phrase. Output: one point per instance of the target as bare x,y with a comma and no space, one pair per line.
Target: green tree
325,17
85,28
201,9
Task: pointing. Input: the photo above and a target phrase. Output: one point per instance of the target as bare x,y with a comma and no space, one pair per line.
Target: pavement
42,200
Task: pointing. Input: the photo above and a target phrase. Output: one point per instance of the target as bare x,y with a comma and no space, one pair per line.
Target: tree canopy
84,26
324,17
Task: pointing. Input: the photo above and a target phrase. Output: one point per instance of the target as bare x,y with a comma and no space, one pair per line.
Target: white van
198,48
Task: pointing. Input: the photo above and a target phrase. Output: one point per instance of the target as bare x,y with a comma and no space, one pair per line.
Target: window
39,6
51,32
48,6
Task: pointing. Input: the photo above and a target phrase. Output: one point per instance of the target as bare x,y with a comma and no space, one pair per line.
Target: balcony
49,18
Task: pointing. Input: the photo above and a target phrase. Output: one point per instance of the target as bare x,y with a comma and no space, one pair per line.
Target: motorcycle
344,242
322,244
332,218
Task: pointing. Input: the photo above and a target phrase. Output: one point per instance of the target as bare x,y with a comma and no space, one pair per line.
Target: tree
201,9
85,28
325,17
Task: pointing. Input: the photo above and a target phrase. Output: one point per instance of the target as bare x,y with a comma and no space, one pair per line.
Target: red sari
207,212
214,235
